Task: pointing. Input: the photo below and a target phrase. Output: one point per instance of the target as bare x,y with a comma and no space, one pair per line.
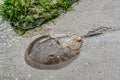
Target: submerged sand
100,55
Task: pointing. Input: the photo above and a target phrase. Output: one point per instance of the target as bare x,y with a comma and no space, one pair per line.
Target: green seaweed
27,14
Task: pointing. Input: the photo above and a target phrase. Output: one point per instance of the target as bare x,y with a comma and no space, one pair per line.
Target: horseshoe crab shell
53,51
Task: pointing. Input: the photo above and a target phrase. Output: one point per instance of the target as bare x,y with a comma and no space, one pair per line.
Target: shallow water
109,36
100,55
13,47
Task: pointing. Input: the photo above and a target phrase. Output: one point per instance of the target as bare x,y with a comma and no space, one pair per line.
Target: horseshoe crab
53,51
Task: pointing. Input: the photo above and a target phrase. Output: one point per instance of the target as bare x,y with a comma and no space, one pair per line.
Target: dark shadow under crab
53,51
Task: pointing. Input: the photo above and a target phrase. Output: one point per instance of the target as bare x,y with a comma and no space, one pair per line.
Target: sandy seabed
100,55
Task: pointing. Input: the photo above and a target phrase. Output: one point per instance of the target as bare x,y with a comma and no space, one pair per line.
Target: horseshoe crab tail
91,34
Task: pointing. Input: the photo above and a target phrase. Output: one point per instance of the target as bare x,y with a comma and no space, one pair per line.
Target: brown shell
53,51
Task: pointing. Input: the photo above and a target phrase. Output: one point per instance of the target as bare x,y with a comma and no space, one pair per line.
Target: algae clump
27,14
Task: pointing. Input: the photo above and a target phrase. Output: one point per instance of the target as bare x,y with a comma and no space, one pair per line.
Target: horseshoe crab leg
55,39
